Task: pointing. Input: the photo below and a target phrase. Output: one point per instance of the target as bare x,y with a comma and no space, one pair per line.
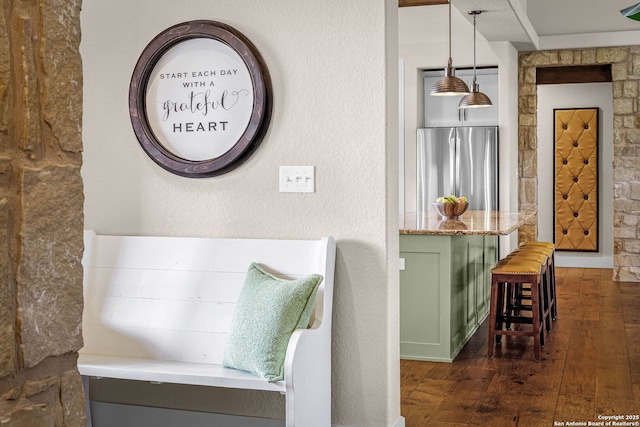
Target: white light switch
402,264
297,179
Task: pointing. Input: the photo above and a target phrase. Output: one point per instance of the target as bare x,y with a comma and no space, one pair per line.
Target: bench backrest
173,298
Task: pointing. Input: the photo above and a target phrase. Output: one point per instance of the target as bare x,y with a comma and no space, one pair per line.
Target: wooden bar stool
517,296
507,273
548,249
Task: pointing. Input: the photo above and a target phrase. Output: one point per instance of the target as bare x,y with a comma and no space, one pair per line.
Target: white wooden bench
159,309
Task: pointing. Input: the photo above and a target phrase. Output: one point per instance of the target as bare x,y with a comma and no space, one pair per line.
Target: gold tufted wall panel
576,179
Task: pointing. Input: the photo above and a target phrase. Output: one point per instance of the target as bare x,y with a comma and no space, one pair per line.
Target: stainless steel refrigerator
458,160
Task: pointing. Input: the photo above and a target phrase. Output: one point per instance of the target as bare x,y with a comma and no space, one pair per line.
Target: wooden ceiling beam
406,3
573,74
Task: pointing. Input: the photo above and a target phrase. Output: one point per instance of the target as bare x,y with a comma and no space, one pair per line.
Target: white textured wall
507,59
334,70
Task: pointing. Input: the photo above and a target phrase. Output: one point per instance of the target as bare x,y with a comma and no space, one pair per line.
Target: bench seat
159,309
157,371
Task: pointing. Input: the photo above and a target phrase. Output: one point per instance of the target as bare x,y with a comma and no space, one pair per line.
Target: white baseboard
399,423
118,415
583,261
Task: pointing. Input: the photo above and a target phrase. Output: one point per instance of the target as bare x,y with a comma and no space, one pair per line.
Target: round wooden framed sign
200,99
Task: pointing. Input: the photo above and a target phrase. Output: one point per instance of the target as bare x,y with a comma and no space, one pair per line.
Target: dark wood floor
590,366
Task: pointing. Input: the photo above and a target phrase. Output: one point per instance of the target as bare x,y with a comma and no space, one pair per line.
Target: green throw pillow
268,310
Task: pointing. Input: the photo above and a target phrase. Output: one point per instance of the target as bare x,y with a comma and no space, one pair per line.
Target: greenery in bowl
451,207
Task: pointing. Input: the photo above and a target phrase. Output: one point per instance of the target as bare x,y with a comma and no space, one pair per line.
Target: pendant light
632,12
475,99
449,85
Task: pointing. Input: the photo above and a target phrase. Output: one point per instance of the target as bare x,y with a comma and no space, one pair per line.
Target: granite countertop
479,223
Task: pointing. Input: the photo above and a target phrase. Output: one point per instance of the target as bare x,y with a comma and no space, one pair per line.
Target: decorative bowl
452,225
451,210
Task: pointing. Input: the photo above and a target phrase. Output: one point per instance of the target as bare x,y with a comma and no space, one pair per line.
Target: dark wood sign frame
260,114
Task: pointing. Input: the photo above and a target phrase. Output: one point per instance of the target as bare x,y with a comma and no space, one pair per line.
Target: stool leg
542,319
503,290
535,313
546,290
510,292
554,301
493,313
518,297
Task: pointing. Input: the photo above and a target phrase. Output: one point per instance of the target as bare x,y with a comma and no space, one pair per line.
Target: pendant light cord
475,98
450,30
474,50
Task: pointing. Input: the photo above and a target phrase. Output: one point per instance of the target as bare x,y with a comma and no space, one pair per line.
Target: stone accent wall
41,222
625,65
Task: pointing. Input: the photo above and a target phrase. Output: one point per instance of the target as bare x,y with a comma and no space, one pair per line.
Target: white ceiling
584,16
554,24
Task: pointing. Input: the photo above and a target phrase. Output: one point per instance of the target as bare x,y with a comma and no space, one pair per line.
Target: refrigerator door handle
463,115
454,141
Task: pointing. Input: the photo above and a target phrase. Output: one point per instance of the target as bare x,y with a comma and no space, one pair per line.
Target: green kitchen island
445,279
